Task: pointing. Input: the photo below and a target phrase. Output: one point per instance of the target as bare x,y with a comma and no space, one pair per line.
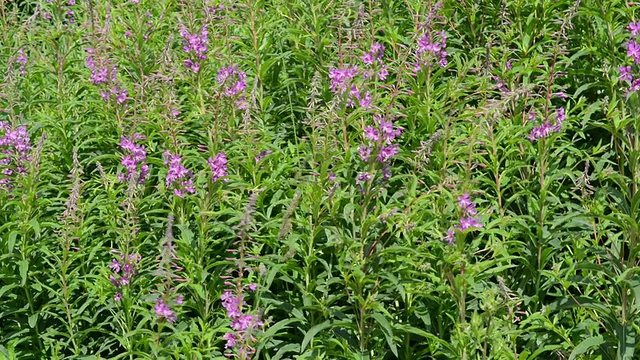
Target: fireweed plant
319,179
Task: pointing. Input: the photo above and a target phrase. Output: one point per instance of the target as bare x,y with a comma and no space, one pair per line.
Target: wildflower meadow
320,179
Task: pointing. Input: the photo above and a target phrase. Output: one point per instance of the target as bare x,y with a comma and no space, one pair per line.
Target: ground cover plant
329,179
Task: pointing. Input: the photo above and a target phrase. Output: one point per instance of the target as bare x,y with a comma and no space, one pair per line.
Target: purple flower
218,167
124,269
467,219
164,311
371,134
367,58
387,152
231,303
363,177
121,94
178,177
232,81
501,86
381,139
365,101
430,47
15,149
364,152
262,155
386,173
376,53
469,222
196,46
341,79
22,60
625,73
450,238
382,75
115,266
134,160
387,129
232,340
541,131
633,51
634,28
117,297
242,324
560,118
464,201
635,86
547,128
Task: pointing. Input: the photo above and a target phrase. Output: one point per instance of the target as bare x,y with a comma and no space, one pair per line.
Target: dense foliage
328,179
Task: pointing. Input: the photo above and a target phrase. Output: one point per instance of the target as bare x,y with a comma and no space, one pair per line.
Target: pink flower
625,73
164,311
634,28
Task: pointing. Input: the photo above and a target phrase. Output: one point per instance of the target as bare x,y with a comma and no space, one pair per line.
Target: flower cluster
243,325
103,73
363,177
124,269
178,177
350,81
633,52
381,138
164,311
120,94
547,128
232,81
363,100
432,44
431,47
376,53
70,14
196,46
134,160
218,166
379,144
22,60
341,79
468,220
15,147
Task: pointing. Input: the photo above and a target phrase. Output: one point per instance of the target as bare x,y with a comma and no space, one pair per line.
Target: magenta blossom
163,311
178,177
218,166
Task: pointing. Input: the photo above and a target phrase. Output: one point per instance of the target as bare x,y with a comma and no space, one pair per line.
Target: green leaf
626,341
585,345
32,320
308,337
388,332
12,241
36,226
24,269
